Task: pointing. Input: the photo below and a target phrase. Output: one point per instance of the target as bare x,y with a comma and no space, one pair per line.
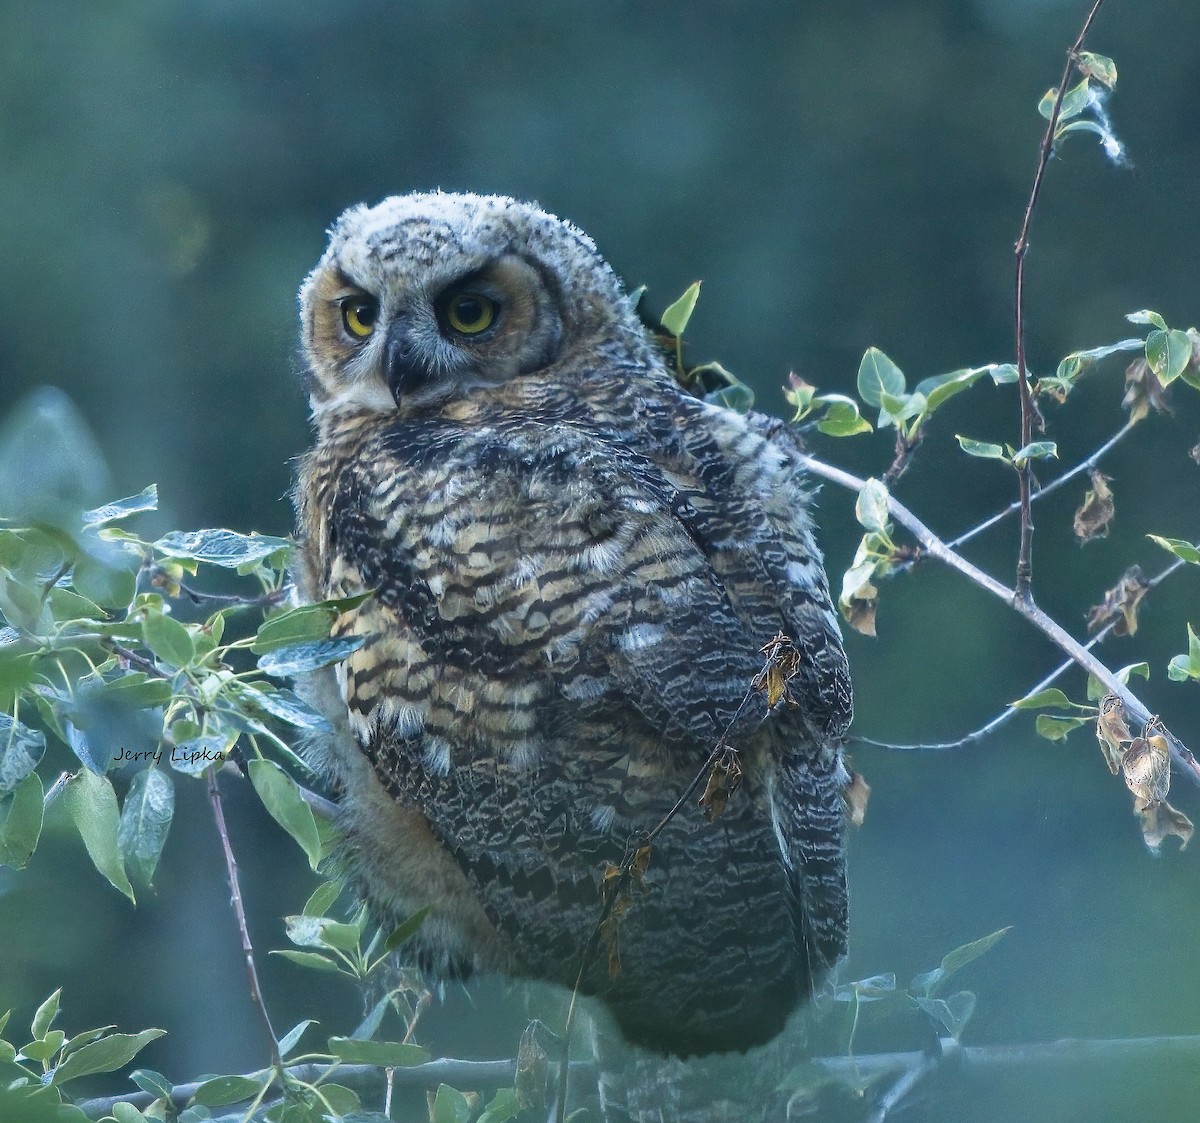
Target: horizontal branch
1025,606
473,1075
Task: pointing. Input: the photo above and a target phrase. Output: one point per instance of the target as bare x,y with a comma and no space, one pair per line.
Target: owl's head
424,297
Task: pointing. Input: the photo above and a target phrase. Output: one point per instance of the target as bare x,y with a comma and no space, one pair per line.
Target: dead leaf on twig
855,795
1112,732
781,664
532,1080
724,778
1143,391
1147,769
1162,820
1123,598
618,900
1097,510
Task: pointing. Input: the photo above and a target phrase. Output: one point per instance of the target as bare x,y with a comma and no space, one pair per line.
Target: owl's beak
406,372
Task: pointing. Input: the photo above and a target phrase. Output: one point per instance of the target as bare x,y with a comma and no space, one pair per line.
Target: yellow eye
359,314
469,313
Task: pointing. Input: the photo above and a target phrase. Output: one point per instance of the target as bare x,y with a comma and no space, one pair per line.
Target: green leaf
385,1054
953,1013
966,953
221,547
676,317
310,622
310,959
1056,728
146,500
322,898
895,409
981,448
21,822
281,797
297,658
1042,699
105,1055
878,375
502,1108
407,929
222,1090
1035,450
1097,690
110,583
841,417
145,821
1179,547
1184,667
137,690
941,387
290,1039
92,803
21,749
45,1047
152,1082
739,398
450,1106
168,639
126,1113
44,1017
86,1037
1147,317
283,705
1003,373
1099,67
345,1102
1074,101
871,507
1168,353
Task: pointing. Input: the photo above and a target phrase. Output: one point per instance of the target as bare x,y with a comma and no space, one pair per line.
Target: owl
567,567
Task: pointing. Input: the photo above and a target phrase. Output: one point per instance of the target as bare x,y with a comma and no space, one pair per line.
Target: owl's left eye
359,314
469,313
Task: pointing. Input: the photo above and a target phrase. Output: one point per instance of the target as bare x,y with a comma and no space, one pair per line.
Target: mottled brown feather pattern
574,565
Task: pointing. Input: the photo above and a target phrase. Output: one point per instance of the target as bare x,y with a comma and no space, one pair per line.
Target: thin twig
1050,628
1011,711
214,798
614,889
1029,410
1050,488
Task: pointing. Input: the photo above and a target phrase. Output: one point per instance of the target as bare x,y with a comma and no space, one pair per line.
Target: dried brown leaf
861,607
1124,598
1143,391
1147,768
533,1070
724,778
1112,732
855,794
1097,510
1162,820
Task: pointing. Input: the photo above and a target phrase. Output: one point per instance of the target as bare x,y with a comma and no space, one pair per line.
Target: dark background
840,175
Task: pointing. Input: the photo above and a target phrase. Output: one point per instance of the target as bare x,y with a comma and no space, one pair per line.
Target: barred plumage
574,564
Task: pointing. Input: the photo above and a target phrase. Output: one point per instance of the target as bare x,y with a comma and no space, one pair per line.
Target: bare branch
1050,628
1010,711
214,798
1029,410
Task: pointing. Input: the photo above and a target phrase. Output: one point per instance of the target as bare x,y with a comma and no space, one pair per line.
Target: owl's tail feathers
810,825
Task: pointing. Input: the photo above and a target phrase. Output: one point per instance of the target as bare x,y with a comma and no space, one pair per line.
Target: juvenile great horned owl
573,565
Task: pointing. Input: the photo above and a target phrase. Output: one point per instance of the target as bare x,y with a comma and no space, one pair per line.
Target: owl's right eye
359,314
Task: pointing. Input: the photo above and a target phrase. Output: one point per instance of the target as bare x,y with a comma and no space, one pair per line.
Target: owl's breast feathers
569,602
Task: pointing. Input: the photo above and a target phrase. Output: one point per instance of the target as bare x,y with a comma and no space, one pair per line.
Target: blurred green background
840,175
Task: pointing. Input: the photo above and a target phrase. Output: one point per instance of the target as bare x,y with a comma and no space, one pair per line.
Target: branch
214,797
1052,486
1011,711
1029,410
501,1073
1066,643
